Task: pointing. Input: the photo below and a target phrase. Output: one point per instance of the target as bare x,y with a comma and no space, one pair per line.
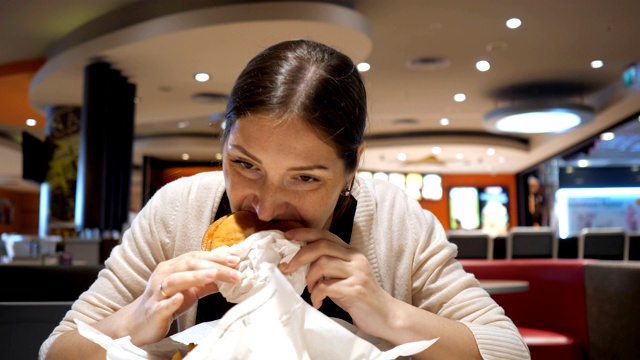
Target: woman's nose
269,203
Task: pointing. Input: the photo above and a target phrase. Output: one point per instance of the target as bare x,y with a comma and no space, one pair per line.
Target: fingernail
236,275
233,260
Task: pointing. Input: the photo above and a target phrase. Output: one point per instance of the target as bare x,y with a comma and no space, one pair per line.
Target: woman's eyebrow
309,167
245,152
296,168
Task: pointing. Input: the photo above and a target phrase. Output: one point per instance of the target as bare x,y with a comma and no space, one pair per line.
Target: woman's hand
174,286
344,275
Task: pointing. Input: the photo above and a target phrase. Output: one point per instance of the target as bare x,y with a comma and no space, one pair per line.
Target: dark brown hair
309,81
306,80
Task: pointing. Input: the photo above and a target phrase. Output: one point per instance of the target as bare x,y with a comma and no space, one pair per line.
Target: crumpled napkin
273,323
270,319
257,254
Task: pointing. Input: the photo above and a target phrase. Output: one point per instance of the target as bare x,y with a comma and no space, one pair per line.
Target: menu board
485,208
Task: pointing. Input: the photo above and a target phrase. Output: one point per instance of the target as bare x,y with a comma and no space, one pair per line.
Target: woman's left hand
344,275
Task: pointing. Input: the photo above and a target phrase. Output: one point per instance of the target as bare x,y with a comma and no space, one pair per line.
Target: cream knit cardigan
406,247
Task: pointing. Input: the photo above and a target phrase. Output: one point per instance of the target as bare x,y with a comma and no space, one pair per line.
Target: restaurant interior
515,122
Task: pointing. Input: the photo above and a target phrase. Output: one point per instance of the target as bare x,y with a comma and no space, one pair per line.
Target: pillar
106,148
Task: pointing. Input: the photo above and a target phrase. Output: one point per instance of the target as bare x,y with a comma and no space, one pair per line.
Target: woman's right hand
174,286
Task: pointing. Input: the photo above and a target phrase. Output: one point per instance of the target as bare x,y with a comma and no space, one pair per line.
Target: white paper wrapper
258,253
273,323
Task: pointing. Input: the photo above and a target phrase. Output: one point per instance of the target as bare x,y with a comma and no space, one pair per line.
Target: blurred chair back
528,242
472,244
603,244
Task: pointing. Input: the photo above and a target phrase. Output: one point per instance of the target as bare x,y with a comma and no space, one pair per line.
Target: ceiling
159,45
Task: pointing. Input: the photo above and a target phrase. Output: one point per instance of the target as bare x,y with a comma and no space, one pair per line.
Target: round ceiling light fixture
539,118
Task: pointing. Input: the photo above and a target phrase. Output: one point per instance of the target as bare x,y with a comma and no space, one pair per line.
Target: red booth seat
551,314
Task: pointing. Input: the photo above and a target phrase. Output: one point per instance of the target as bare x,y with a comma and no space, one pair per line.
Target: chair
528,242
603,244
472,244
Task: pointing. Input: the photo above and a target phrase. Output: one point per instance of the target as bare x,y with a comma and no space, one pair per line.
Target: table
504,286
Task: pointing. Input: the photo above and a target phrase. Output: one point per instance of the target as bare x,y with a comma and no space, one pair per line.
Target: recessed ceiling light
185,156
210,97
491,151
606,136
183,124
402,156
444,121
513,23
405,121
483,65
202,77
428,63
31,122
460,97
363,67
538,118
583,163
597,64
436,150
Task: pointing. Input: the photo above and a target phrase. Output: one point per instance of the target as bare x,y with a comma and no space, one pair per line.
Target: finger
309,235
170,308
203,260
324,269
312,252
181,281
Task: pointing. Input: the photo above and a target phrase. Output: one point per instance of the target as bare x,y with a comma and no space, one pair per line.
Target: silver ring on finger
162,291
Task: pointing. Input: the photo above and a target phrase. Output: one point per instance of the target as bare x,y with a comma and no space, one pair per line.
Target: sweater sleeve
171,223
414,250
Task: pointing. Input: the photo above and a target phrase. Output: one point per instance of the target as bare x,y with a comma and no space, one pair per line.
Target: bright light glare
402,156
538,122
460,97
597,64
202,77
483,65
363,67
444,121
606,136
513,23
31,122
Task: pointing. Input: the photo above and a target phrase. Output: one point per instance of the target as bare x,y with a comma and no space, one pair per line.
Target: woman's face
282,171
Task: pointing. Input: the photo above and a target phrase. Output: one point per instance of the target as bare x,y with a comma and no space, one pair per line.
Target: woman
295,121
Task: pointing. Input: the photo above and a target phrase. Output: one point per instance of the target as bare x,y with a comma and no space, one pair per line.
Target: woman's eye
244,164
307,178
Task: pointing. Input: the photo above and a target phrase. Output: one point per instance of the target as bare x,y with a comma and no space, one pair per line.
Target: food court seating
472,244
603,243
551,314
532,242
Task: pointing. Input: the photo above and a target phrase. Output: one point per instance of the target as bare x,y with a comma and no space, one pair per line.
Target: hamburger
236,227
260,245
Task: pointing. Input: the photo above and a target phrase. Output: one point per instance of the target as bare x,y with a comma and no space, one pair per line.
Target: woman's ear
360,153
